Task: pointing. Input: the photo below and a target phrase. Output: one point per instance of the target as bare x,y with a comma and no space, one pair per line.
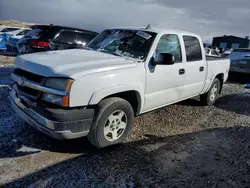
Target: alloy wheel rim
213,92
115,125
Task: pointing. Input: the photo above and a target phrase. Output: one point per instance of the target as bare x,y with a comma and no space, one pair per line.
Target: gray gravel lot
182,145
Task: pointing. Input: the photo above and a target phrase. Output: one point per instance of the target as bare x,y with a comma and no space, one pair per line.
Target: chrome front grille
29,76
32,86
24,90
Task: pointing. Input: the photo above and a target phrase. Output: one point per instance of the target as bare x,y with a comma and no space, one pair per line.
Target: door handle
201,69
182,71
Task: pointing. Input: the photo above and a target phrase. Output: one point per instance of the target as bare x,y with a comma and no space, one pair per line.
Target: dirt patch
6,60
14,23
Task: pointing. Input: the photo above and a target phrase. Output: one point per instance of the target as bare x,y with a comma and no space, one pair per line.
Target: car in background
6,29
14,37
5,37
54,37
240,61
212,53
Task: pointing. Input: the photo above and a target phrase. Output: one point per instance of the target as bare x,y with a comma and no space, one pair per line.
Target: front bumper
57,123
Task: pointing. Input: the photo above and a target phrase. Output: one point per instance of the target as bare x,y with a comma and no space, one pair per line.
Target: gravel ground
182,145
6,58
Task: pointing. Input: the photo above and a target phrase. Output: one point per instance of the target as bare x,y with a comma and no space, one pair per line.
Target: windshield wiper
87,48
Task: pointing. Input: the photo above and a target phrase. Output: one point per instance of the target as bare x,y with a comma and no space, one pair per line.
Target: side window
7,29
66,37
84,38
169,44
24,32
193,48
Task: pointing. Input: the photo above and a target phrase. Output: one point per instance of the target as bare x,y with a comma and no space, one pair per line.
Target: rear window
44,32
85,37
66,36
33,32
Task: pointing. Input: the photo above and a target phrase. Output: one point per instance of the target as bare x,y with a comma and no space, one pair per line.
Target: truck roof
158,30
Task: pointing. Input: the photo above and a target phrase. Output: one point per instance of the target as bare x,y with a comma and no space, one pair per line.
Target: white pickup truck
124,72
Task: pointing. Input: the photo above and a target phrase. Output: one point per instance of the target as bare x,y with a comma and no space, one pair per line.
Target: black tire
206,98
105,109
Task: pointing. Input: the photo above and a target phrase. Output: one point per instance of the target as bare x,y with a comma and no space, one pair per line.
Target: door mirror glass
163,59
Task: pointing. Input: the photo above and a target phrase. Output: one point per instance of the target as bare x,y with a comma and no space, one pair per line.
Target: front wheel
112,123
211,96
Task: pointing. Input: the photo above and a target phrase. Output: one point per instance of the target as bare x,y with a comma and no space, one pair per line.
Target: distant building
231,42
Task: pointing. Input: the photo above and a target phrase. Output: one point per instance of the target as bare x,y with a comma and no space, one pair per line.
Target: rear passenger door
196,67
66,39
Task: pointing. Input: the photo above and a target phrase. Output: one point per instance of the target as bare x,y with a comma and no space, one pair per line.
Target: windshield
130,43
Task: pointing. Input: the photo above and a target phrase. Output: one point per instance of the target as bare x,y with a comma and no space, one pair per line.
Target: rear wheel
112,123
211,96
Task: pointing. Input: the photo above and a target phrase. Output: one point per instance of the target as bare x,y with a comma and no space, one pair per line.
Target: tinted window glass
169,44
84,38
193,49
23,32
33,32
66,36
44,33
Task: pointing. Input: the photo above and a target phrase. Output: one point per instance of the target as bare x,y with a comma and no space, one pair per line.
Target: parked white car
6,29
97,91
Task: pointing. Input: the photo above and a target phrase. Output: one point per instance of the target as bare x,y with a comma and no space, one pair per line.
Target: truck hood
71,63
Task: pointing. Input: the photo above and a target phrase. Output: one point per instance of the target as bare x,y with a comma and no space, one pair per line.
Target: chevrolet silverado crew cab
97,91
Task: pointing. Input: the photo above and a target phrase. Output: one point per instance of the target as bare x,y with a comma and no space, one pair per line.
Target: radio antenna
148,26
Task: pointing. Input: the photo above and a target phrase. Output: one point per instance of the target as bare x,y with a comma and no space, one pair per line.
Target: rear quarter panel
216,67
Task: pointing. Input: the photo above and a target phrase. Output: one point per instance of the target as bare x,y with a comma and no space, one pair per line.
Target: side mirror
163,59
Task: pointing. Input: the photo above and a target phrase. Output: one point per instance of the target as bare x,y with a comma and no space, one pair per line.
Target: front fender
97,96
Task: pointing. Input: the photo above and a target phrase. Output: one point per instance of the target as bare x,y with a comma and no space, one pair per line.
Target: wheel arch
128,93
220,77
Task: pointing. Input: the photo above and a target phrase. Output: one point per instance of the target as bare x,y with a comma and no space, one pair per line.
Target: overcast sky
206,17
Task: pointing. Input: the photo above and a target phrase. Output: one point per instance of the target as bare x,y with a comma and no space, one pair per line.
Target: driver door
165,83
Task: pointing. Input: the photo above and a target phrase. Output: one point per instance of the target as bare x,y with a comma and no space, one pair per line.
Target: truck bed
209,58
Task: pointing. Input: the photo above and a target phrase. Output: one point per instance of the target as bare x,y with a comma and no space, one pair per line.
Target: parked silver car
240,60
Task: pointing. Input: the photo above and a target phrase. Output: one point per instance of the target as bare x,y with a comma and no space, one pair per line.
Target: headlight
55,99
59,83
63,84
